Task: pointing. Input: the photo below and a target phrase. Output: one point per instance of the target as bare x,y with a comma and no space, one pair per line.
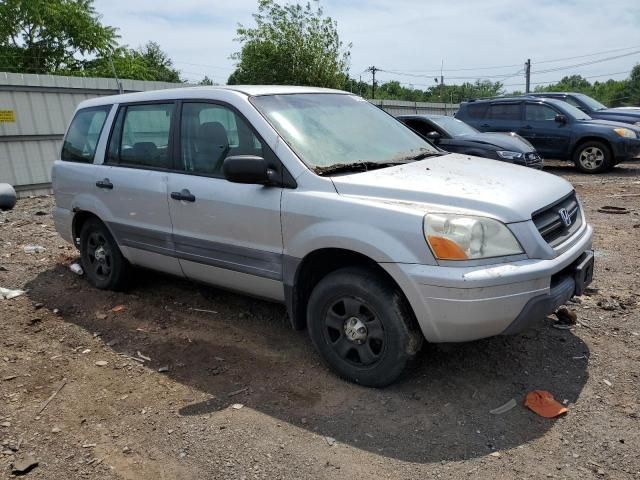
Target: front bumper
457,304
627,150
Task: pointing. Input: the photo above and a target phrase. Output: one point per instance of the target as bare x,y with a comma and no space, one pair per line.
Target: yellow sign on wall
7,116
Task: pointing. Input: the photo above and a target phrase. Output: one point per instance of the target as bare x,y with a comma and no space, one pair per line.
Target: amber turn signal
446,249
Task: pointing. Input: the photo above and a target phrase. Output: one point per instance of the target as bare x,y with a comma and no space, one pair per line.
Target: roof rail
499,97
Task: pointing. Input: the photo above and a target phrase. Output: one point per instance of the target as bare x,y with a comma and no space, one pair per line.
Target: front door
549,137
224,233
132,184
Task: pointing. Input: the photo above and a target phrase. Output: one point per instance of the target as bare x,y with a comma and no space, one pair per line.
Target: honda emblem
565,217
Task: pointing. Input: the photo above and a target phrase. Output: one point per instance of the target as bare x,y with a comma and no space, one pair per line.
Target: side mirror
434,136
560,118
248,169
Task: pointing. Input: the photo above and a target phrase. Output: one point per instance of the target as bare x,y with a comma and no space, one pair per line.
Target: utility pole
373,71
527,75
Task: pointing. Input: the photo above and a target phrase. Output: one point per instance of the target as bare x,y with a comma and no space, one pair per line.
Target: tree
146,63
47,36
291,45
206,81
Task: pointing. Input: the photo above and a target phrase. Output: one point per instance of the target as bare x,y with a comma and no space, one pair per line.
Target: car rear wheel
102,260
362,326
593,157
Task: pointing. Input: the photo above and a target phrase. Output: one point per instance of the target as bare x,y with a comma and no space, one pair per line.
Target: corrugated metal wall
35,111
42,106
400,107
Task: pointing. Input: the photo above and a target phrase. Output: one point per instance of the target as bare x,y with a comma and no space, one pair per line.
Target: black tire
109,270
593,157
391,335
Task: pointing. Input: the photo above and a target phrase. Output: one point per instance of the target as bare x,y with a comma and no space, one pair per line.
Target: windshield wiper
354,167
421,156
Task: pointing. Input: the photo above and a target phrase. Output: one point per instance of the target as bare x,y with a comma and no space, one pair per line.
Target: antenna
113,68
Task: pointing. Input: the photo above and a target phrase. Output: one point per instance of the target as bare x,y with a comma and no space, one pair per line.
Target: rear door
132,184
502,117
550,138
225,233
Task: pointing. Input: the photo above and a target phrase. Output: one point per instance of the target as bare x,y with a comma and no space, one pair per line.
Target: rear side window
140,136
84,132
504,111
477,110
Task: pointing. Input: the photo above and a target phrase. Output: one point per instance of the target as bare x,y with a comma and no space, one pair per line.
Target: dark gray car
456,136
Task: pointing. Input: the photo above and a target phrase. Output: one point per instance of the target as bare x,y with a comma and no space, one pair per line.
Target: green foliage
291,45
47,36
394,90
612,93
206,81
146,63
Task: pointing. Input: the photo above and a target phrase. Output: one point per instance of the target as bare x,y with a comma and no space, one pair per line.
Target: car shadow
631,169
240,350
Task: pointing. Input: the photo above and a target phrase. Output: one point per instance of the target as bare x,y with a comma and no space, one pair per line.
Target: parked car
557,130
374,239
454,135
594,108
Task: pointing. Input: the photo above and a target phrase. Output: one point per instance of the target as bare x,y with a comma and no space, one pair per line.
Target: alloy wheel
591,158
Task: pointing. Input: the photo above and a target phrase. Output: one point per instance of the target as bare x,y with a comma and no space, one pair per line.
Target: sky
410,40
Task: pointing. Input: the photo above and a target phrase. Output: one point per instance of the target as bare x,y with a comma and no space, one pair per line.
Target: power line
566,67
558,81
587,55
435,70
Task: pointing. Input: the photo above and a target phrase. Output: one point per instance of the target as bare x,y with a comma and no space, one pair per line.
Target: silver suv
373,238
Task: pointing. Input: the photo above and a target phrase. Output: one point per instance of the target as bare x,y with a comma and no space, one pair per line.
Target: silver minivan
373,238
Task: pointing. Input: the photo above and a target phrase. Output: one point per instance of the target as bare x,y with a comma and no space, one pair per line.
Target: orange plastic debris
543,403
118,308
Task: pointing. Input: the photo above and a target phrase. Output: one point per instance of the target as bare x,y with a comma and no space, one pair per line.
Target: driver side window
209,133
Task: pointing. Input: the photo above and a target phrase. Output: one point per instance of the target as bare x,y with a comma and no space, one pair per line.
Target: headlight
459,237
625,132
506,154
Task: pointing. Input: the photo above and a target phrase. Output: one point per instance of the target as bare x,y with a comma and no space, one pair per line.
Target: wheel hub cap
100,254
355,330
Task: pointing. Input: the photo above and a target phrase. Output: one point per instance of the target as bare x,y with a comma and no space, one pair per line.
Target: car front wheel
593,157
362,326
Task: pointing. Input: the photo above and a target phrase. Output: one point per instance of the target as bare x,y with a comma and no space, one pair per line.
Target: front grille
533,160
550,223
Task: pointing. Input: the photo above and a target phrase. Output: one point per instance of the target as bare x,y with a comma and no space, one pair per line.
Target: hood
613,124
502,141
456,182
632,114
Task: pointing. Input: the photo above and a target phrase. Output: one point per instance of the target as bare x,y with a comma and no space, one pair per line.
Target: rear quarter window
80,143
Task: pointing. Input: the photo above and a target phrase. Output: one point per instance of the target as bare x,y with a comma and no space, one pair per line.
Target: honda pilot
375,240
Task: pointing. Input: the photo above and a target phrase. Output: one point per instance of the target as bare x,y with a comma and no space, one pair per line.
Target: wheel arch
590,138
301,276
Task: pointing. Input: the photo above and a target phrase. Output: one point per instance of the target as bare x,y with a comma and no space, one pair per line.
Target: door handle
104,184
485,125
528,127
184,194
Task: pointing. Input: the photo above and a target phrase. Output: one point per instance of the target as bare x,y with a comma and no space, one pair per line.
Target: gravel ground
244,396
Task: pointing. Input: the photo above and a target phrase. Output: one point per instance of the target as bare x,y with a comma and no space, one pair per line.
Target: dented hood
453,182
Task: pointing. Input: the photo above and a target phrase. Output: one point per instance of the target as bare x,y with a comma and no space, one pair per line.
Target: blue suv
594,108
557,130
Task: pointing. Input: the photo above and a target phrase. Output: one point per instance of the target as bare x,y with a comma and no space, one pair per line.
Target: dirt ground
118,417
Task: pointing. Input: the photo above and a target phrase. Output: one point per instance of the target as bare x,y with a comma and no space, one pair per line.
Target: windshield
326,129
453,127
575,112
591,103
